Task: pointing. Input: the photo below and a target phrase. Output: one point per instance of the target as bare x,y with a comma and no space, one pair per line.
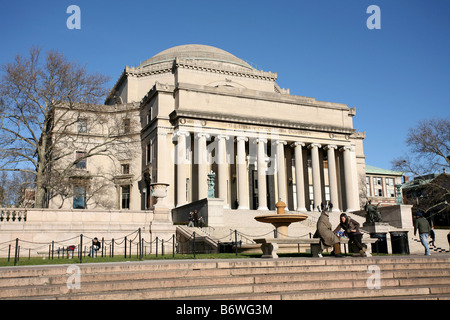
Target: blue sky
394,76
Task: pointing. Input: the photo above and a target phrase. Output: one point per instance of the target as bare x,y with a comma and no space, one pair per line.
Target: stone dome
195,52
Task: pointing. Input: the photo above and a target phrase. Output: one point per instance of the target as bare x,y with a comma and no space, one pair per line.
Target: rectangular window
148,153
79,197
327,193
188,190
390,188
378,186
125,168
368,186
82,125
311,192
80,160
126,126
125,197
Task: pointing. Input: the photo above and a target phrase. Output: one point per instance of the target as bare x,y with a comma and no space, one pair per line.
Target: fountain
281,220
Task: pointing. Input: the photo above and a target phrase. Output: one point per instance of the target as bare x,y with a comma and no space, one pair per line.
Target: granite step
297,278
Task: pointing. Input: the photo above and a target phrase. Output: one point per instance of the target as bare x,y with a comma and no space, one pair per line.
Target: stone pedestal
159,191
379,230
376,227
161,225
269,250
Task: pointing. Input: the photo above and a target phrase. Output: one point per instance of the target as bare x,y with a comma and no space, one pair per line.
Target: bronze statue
372,213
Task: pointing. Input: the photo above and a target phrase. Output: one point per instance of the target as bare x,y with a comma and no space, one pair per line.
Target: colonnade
339,191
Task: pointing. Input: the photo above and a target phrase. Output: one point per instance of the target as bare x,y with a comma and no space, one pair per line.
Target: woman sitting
351,230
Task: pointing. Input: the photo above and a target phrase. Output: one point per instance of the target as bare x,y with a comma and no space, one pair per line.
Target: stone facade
201,108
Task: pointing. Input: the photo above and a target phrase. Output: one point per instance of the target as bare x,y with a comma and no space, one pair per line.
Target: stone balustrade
13,215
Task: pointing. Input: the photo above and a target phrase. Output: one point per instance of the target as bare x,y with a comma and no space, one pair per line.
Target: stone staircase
400,277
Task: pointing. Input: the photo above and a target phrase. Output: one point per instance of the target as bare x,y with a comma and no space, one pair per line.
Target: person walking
191,219
424,228
432,236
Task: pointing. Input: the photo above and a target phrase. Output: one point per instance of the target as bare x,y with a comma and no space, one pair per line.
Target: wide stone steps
288,278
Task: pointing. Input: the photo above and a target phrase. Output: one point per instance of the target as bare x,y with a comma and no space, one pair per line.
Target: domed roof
195,52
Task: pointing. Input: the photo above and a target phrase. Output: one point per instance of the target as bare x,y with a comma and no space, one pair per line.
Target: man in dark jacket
96,245
423,226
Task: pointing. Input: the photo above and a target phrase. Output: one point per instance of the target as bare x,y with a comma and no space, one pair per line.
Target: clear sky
394,76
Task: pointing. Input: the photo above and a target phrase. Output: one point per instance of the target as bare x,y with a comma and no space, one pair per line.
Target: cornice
264,95
261,121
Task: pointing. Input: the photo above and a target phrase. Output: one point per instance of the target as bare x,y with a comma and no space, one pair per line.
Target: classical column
243,197
262,188
299,179
181,167
349,188
222,169
332,175
316,173
202,162
281,171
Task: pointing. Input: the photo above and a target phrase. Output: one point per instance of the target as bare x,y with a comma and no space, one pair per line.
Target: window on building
126,126
188,189
125,168
148,153
368,186
79,197
82,125
80,160
390,187
311,193
378,186
327,193
125,197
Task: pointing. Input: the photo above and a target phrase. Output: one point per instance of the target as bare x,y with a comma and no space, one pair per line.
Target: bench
269,246
62,252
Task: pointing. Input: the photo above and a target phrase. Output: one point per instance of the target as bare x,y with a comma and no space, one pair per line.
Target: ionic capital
202,134
330,146
222,136
181,133
346,148
280,142
258,140
314,145
297,144
240,138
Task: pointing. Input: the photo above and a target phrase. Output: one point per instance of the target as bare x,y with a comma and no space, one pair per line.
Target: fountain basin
281,221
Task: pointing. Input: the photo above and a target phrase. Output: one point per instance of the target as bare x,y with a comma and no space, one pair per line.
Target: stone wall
36,228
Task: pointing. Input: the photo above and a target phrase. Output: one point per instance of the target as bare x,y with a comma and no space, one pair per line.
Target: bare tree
429,145
43,103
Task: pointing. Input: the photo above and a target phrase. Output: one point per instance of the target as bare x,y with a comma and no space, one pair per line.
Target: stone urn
159,191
